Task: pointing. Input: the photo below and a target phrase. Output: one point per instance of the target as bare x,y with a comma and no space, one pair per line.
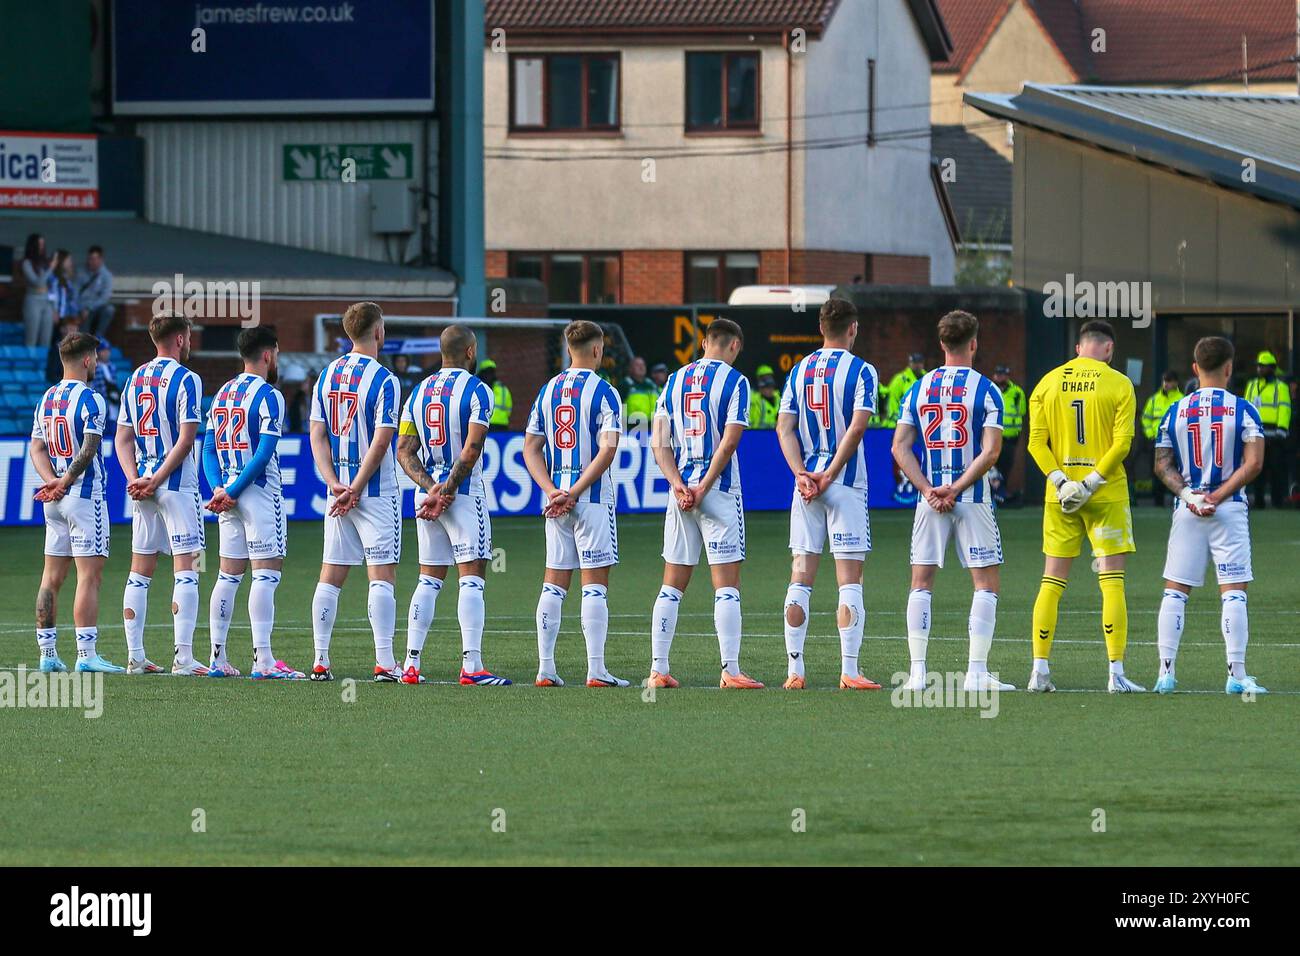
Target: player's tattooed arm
408,456
89,448
1167,472
463,465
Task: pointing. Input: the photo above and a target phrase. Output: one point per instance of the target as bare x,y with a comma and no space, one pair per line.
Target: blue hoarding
765,479
276,56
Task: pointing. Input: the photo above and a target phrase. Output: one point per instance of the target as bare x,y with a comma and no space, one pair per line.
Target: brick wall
898,270
654,276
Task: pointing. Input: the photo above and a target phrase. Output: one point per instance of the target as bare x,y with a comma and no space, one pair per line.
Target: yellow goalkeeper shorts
1108,525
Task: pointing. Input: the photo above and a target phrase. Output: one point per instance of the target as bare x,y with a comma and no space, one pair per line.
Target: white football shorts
979,543
463,532
1223,537
370,533
839,512
716,523
586,537
255,527
169,522
76,528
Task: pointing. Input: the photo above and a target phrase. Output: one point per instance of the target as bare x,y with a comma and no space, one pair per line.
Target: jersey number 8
566,436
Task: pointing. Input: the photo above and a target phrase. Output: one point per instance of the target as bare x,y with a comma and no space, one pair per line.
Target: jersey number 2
229,423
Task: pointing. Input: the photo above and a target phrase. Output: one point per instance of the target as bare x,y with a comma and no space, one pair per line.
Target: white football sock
135,604
419,617
471,612
86,638
550,610
381,608
983,621
918,628
726,620
47,639
1236,631
261,615
185,614
1169,628
851,636
663,625
595,626
797,595
324,608
221,607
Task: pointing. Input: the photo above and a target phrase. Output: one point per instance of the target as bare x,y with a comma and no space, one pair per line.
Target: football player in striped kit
440,446
702,412
156,430
829,397
354,416
67,432
1209,448
958,415
245,423
572,437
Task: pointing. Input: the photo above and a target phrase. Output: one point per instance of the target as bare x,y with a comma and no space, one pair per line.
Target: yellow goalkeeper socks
1045,608
1114,613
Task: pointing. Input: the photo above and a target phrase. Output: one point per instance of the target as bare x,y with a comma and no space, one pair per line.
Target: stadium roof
1208,135
981,192
140,253
1147,41
540,18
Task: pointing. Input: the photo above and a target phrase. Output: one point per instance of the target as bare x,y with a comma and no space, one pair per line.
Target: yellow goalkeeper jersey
1081,420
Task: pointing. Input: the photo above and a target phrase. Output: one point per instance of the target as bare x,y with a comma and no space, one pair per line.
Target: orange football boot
657,679
741,681
794,682
858,682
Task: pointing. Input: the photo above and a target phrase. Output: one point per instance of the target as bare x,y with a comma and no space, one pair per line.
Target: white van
807,295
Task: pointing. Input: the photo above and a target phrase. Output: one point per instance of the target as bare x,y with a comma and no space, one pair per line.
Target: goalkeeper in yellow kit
1081,419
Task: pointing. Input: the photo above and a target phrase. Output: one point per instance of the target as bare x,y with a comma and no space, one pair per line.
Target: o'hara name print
76,909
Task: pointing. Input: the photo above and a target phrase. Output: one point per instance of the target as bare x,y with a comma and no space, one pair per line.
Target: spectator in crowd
63,288
1153,413
68,325
765,400
95,291
505,403
1271,396
299,411
106,382
900,383
38,311
408,375
640,394
1014,409
659,375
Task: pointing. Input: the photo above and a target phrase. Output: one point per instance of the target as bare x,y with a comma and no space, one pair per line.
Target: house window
574,278
712,276
564,92
721,92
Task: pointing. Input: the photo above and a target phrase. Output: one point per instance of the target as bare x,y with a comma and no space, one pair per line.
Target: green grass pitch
294,774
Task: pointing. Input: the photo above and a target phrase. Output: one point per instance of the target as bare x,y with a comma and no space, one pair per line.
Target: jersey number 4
817,396
954,414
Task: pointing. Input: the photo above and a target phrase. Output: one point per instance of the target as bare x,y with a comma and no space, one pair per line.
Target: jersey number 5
693,409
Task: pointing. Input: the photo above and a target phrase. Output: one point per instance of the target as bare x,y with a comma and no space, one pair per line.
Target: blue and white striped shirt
160,397
1207,431
823,391
439,412
700,400
66,414
950,407
571,412
354,397
245,409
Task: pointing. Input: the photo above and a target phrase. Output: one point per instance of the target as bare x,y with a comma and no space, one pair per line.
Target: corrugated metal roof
1203,134
140,253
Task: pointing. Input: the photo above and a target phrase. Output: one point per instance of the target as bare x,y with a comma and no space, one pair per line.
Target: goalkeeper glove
1075,494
